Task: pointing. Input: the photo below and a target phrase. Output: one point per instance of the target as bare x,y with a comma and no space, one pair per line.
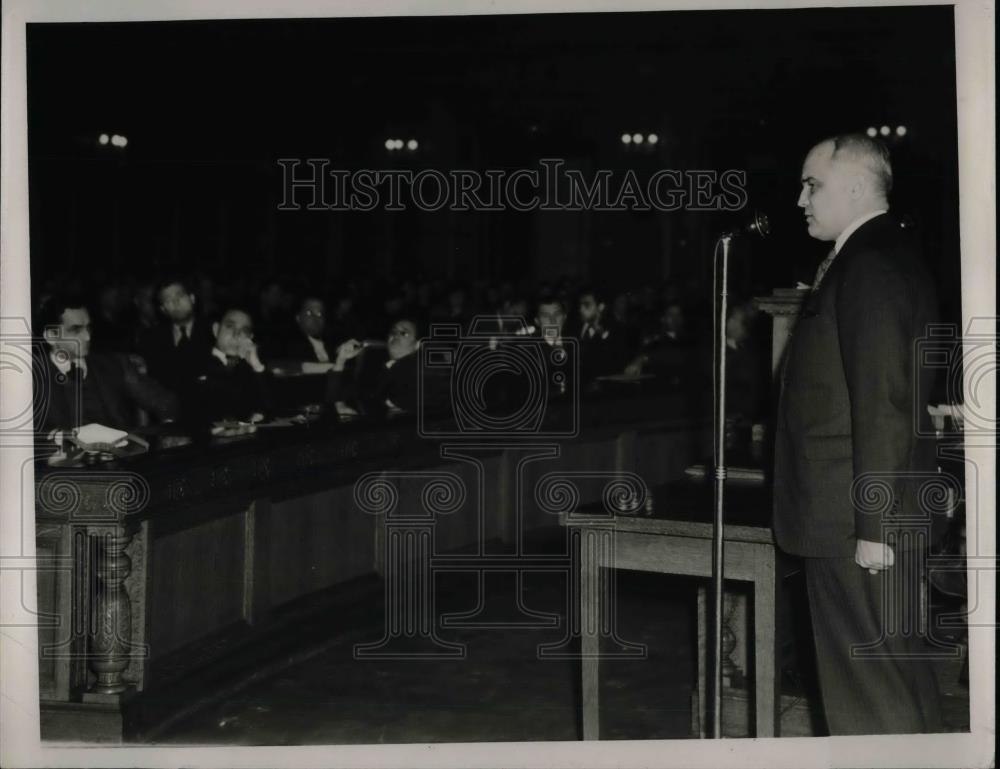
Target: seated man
602,346
550,320
234,385
308,348
395,386
670,353
554,375
78,388
177,352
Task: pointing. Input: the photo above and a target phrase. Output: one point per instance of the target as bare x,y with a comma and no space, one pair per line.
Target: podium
784,306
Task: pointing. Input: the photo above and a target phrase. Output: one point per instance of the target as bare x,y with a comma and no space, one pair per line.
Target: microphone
758,224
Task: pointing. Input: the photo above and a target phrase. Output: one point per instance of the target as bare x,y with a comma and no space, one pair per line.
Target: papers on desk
748,475
99,434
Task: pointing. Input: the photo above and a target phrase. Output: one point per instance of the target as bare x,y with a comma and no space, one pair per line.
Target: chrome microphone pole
719,390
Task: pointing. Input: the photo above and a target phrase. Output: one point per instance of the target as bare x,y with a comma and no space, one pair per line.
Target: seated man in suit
307,348
178,352
510,387
602,347
395,387
79,388
234,385
669,354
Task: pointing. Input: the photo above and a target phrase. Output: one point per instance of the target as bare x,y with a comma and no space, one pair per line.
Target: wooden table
677,539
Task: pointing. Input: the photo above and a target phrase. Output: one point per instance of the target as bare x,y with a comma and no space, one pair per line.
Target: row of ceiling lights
115,140
628,138
886,131
398,144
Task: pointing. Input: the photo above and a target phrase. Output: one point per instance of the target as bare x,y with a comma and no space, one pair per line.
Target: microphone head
759,224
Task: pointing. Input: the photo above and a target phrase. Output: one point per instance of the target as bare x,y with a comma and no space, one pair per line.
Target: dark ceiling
230,89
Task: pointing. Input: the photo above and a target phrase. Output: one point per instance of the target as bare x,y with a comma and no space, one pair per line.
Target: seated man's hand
874,556
344,410
248,352
347,350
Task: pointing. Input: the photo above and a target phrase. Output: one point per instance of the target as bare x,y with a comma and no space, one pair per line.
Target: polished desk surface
185,465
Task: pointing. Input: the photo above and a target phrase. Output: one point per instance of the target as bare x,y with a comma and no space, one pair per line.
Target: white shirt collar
220,355
64,366
853,226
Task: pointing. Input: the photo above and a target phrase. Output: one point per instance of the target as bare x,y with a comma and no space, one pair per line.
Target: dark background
208,107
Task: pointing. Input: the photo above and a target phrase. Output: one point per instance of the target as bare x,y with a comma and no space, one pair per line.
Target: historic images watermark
314,184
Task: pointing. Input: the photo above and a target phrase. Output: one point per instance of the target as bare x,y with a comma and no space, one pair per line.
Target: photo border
19,703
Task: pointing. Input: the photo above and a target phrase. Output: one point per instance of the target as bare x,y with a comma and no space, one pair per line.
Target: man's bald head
868,153
843,178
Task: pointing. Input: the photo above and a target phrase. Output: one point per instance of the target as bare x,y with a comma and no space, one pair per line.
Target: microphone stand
719,456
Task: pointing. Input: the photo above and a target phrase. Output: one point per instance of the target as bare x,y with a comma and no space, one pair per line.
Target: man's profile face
590,309
72,340
826,196
402,339
177,303
312,318
550,319
233,332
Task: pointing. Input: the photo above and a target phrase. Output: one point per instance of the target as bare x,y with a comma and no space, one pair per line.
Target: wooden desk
677,539
156,570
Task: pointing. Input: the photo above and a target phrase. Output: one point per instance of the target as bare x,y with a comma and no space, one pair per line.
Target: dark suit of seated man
178,351
395,387
80,388
308,348
603,348
234,384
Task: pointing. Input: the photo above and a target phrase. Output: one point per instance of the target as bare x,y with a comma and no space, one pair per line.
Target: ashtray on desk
228,429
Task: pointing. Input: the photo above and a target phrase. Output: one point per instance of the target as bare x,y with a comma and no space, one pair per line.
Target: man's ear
192,298
215,329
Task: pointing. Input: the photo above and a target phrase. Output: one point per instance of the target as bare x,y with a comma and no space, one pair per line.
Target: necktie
823,267
183,339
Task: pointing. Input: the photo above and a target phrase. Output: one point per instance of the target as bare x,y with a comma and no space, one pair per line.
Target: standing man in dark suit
846,441
74,387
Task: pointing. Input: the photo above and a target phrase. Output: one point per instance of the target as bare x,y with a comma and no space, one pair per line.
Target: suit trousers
875,666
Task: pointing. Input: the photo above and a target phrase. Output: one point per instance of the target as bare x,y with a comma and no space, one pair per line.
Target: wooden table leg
590,621
766,667
702,671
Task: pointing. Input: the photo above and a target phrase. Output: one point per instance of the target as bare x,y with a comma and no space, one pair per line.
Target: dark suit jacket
296,348
224,392
603,353
397,383
177,367
849,398
111,394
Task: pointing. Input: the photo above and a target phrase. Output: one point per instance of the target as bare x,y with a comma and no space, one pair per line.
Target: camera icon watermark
23,354
966,365
498,383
